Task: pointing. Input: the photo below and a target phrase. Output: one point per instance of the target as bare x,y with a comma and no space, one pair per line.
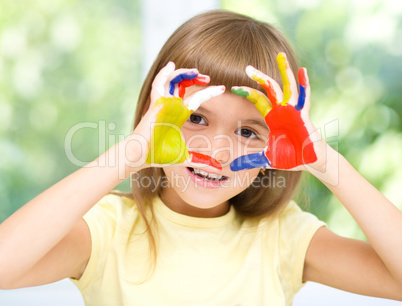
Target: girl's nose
219,147
222,149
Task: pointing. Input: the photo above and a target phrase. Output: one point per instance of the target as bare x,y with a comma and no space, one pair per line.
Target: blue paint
183,76
251,161
302,98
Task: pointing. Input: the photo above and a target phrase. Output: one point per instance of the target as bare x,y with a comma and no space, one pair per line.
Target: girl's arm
371,268
47,240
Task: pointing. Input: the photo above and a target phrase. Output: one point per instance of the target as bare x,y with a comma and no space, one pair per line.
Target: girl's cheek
196,140
250,146
246,177
199,143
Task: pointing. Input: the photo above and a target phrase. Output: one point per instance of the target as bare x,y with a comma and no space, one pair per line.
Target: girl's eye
196,119
247,133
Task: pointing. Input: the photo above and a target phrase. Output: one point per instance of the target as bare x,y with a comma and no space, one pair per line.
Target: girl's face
224,128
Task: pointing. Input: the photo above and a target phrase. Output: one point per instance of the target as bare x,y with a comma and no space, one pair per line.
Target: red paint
205,159
289,144
199,80
301,75
270,93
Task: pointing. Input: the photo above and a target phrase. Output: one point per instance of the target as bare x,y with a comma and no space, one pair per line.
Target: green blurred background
70,65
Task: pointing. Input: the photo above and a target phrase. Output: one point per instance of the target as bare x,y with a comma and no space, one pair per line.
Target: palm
167,144
288,144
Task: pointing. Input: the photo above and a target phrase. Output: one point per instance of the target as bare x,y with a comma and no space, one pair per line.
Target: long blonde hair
221,44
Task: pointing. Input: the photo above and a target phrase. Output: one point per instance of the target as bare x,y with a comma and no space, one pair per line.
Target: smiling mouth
207,176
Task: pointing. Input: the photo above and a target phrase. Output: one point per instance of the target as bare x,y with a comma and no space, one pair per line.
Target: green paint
260,101
240,92
167,145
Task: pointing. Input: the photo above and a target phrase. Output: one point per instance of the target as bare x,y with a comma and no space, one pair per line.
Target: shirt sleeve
296,229
101,221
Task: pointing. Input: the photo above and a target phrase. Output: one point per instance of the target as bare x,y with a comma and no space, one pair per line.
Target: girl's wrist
328,171
132,153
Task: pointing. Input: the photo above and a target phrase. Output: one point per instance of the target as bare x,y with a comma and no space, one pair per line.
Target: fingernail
218,90
301,75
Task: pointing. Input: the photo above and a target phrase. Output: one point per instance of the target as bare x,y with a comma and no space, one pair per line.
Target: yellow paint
261,102
167,145
283,66
258,80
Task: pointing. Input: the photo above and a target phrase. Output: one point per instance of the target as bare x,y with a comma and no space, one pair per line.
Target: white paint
204,95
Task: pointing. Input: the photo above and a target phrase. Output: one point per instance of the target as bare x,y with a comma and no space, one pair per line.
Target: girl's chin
195,203
198,191
203,200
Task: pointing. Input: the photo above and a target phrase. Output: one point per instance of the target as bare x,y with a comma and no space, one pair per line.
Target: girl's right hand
168,111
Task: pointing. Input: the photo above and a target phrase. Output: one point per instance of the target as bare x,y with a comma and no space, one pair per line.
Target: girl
206,224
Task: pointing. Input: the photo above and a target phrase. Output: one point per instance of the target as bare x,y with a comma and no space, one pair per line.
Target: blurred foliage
353,52
73,68
65,65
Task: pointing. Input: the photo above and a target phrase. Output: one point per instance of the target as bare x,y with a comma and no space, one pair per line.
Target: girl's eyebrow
203,110
256,122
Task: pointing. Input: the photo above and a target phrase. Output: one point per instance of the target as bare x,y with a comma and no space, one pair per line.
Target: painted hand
166,144
287,116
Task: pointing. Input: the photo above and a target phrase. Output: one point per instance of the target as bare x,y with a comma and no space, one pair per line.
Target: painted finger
288,80
178,77
250,161
260,101
158,85
304,89
201,80
272,88
196,99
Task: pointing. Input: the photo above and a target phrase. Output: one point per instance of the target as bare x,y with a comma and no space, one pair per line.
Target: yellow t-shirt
201,261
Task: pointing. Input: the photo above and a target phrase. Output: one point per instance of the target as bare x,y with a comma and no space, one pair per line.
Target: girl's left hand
286,113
